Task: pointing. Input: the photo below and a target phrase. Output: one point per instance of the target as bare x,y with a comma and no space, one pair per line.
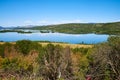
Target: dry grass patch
70,45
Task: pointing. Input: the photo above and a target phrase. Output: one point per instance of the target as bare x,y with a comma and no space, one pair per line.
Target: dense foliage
105,64
32,61
27,60
24,46
55,63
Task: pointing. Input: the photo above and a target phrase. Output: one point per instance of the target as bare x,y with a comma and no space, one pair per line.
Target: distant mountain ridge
1,27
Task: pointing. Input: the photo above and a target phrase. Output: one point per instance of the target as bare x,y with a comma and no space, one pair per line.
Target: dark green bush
24,46
35,46
81,50
1,50
5,47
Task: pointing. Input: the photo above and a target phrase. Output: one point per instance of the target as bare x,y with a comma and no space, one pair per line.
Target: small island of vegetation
12,30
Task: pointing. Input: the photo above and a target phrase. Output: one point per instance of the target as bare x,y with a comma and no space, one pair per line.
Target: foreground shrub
55,63
24,46
106,60
1,50
15,67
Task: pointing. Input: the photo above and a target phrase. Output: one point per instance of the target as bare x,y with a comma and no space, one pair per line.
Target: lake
54,37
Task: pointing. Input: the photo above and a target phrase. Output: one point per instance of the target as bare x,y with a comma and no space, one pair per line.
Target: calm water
56,37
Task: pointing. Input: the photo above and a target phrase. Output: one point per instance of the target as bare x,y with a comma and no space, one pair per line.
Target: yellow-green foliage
24,58
15,65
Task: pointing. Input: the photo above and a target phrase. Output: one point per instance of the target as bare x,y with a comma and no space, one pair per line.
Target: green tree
5,49
24,46
1,50
35,46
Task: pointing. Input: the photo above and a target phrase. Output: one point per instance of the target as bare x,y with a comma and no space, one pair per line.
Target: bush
16,66
81,50
1,50
106,60
35,46
5,49
55,63
24,46
9,65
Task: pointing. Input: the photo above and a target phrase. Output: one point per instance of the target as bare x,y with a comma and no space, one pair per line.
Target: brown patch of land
70,45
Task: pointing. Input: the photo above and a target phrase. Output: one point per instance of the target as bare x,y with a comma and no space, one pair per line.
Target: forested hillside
77,28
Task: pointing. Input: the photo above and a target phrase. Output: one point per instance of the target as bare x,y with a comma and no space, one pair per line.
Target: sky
46,12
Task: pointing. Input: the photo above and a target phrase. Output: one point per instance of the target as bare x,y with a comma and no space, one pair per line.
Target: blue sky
44,12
